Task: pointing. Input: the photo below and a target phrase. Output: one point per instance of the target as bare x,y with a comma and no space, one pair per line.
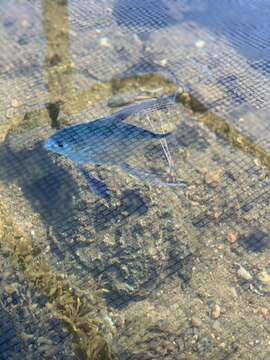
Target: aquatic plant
79,314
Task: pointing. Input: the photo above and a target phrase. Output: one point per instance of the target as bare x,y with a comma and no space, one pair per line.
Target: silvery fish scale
104,141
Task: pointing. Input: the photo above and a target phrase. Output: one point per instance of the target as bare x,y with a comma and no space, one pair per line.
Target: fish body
107,141
104,141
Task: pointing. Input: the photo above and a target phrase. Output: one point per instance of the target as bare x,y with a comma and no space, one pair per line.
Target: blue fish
105,141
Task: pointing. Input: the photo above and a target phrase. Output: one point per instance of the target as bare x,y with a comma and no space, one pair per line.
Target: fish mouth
47,144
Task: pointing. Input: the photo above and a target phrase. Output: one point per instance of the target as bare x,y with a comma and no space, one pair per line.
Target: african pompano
108,140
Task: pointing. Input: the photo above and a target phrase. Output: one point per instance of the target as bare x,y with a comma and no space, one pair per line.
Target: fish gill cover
134,179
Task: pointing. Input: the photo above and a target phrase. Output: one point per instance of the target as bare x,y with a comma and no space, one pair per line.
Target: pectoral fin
97,186
150,178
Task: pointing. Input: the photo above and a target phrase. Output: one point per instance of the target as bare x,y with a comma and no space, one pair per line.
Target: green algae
77,313
225,130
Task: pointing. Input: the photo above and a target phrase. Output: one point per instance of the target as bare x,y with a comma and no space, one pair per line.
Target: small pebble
213,178
163,62
234,292
216,311
185,97
200,44
232,237
25,23
15,103
195,321
244,274
43,340
105,42
264,311
264,278
9,113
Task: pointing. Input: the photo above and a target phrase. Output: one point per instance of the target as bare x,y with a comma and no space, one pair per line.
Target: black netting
134,179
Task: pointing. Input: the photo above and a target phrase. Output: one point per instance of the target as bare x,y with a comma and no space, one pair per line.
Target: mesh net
134,162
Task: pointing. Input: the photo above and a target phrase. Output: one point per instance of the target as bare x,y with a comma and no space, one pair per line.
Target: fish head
57,143
71,142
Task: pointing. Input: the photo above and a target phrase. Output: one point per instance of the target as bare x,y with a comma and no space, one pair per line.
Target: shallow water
157,272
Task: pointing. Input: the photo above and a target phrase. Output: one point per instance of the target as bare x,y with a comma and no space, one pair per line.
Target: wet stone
15,103
264,278
232,237
216,311
244,274
196,322
264,312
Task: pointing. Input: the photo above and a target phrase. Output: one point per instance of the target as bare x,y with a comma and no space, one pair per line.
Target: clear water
156,272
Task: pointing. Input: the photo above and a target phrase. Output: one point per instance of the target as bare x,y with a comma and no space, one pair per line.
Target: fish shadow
131,204
51,189
48,187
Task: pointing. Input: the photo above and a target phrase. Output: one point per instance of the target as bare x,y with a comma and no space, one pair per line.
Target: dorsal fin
151,105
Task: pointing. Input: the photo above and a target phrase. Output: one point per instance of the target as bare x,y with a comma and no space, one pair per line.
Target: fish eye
60,144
